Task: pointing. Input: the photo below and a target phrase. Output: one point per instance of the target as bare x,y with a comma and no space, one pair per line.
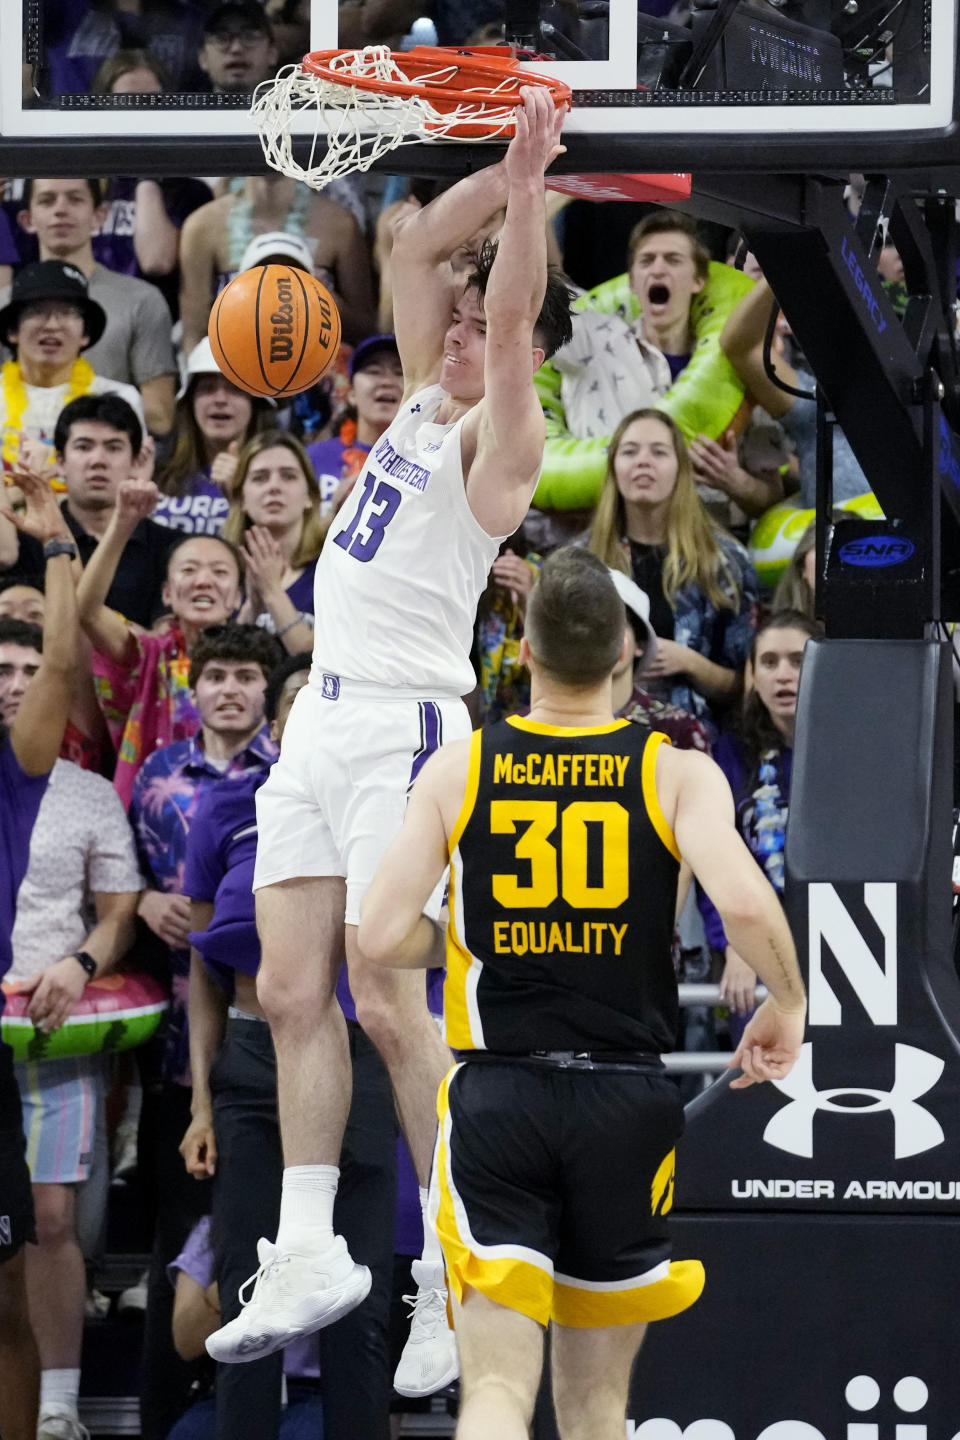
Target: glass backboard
726,84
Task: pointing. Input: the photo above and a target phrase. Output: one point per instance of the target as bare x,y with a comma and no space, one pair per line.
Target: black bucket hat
52,280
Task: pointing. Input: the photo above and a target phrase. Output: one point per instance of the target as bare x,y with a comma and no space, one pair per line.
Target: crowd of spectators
198,513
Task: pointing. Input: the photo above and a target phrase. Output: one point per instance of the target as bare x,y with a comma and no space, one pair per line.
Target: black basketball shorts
16,1198
552,1188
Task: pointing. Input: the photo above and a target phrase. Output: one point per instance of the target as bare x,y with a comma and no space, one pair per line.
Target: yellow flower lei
15,401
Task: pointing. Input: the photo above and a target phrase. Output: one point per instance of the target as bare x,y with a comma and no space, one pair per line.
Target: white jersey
404,564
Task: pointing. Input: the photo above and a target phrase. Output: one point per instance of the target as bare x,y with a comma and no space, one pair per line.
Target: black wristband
60,546
87,962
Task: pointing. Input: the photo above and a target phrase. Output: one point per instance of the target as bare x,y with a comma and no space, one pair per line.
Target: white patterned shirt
82,845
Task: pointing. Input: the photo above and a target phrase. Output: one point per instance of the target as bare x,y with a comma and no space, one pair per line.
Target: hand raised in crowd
42,518
145,463
168,916
136,499
536,141
738,984
266,564
224,467
199,1146
514,574
55,992
715,462
36,455
770,1045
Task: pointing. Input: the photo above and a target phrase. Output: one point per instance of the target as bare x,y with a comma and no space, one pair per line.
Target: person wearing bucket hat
214,420
376,389
136,347
48,322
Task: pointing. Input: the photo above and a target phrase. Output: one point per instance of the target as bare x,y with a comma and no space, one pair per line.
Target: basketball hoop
365,103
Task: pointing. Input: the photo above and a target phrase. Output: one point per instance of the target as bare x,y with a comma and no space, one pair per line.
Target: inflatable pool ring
703,399
778,531
115,1012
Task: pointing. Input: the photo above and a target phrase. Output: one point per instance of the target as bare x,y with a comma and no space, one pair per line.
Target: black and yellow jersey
563,884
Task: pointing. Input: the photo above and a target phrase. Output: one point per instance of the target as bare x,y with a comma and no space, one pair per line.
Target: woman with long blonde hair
275,518
651,523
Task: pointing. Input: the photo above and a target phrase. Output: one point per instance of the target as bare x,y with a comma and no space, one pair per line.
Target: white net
340,128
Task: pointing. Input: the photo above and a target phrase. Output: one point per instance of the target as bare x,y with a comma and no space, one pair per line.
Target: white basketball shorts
336,797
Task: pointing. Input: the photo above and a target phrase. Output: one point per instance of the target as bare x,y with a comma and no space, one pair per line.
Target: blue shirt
166,794
20,796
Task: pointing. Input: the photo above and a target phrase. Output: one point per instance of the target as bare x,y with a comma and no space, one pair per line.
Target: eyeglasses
247,38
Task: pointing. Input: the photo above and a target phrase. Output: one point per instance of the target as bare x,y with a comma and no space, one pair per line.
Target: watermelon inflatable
115,1012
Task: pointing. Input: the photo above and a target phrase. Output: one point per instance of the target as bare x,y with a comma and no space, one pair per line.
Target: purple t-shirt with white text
200,510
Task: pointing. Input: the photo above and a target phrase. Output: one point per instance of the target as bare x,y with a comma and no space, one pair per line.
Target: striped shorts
60,1100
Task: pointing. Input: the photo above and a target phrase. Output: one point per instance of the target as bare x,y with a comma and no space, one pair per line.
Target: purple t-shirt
113,242
331,460
20,796
200,510
221,852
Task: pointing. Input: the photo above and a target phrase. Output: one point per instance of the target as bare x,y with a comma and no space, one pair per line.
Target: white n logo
831,922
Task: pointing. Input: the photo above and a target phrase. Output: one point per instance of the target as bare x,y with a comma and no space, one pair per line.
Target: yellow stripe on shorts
590,1308
503,1275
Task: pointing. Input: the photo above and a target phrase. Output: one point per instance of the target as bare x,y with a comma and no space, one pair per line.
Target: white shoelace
428,1307
263,1272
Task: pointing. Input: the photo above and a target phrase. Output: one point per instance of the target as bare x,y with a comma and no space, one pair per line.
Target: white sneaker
429,1361
292,1295
57,1422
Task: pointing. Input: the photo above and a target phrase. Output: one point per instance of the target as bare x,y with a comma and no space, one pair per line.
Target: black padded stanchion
826,1209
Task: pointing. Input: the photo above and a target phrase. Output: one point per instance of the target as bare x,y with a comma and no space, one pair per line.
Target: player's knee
381,1021
54,1213
290,993
501,1391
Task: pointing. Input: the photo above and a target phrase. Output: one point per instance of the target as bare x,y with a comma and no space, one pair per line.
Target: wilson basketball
274,330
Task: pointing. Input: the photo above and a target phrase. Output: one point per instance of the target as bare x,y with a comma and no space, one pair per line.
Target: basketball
274,330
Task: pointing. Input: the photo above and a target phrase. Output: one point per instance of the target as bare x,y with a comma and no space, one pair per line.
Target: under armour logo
250,1344
329,687
915,1129
414,409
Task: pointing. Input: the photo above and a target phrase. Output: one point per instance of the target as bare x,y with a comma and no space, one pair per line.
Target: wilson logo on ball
274,331
281,338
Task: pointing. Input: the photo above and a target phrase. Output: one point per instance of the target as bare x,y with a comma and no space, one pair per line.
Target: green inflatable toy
776,534
703,399
115,1012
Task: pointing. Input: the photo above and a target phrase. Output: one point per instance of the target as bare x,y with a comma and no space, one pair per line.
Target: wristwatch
60,546
87,963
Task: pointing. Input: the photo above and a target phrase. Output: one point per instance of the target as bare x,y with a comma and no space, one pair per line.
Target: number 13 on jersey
375,509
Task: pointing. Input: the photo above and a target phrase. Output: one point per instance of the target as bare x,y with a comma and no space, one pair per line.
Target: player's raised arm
696,790
422,280
509,426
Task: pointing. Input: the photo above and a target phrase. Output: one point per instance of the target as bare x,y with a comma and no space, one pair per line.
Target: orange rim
472,70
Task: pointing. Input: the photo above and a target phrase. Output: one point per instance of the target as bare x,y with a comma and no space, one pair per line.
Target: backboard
741,85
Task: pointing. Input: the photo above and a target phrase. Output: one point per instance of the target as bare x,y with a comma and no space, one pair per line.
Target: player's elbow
747,906
379,934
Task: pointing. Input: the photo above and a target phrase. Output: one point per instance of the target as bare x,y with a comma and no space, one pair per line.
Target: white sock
306,1207
60,1388
432,1253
